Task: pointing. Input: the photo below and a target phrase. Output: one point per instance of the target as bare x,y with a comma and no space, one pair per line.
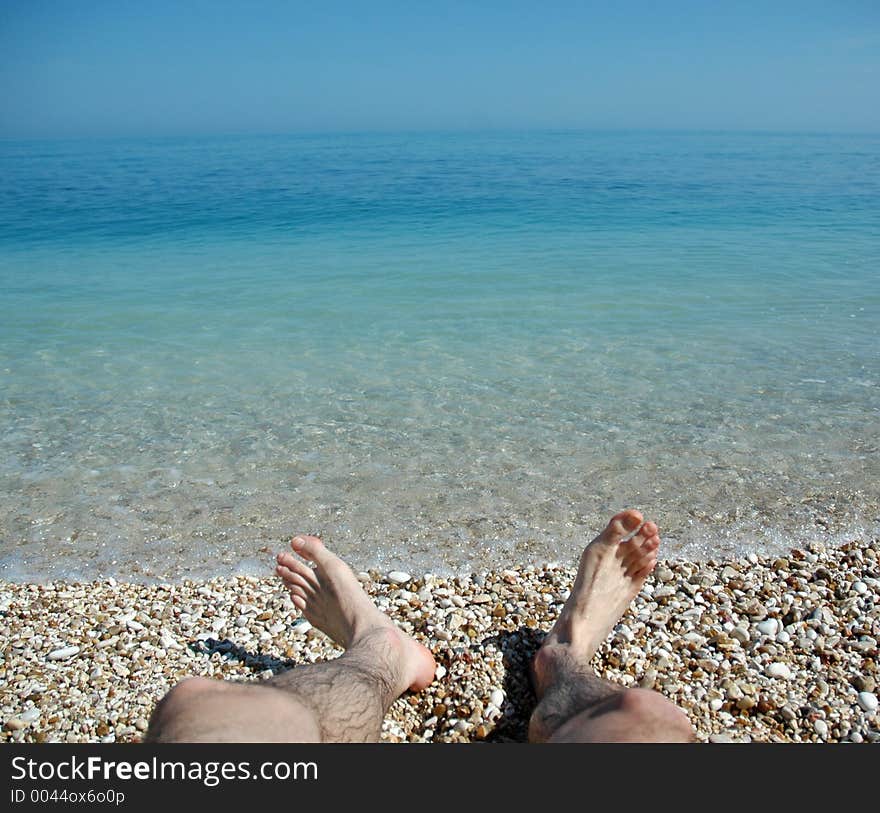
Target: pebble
169,642
778,670
717,638
734,692
740,634
398,577
721,738
864,683
63,653
624,633
868,701
648,679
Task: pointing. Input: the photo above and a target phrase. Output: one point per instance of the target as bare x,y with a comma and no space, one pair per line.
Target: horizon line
560,130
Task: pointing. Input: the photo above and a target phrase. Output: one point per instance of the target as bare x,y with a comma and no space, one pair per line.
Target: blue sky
96,68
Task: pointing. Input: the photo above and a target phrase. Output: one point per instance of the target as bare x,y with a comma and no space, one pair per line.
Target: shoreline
756,648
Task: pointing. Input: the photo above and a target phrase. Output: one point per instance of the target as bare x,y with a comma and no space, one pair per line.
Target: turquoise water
442,351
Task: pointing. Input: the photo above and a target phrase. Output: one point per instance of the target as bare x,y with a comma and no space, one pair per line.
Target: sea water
441,351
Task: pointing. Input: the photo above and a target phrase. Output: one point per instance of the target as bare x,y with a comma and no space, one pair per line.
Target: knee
655,711
187,690
178,703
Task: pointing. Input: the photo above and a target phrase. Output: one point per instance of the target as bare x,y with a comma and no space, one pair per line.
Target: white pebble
63,653
868,701
779,670
497,698
624,633
740,634
721,738
169,642
440,672
398,577
860,587
769,626
821,728
30,716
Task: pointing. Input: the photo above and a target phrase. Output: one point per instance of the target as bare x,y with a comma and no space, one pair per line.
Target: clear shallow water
441,351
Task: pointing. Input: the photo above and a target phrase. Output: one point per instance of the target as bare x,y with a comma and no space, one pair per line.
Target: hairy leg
574,704
344,700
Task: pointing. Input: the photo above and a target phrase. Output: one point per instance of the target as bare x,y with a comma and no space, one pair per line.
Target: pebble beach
754,649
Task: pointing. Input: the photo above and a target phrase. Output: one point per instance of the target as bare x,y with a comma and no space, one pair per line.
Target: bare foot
331,598
610,575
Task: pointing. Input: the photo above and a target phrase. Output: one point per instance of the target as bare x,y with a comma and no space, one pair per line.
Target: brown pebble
864,683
